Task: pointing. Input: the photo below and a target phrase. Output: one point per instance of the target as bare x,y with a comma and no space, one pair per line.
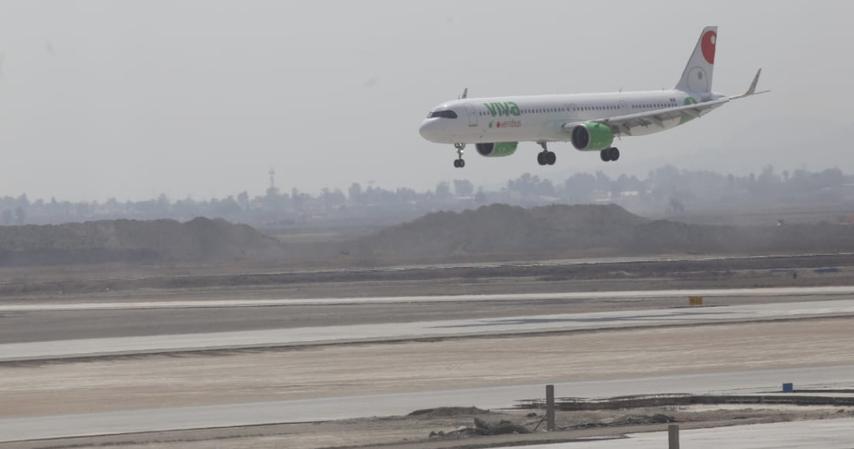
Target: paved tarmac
824,434
96,347
160,419
285,302
76,318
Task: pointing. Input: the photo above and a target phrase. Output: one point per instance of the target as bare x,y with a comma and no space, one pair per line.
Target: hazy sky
133,98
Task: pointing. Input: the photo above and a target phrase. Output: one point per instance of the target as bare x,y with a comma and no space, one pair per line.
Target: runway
160,419
300,336
285,302
824,434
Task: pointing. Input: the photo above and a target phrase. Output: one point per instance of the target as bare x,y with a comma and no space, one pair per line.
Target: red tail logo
708,46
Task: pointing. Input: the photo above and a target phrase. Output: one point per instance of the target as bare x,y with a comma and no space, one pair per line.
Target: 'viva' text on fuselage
505,108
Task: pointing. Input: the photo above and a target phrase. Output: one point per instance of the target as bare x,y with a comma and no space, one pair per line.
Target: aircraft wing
624,124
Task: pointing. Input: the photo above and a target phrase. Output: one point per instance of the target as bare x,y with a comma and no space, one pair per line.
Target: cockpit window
447,113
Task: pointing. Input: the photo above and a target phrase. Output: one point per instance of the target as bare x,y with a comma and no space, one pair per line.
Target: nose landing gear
459,162
609,154
546,157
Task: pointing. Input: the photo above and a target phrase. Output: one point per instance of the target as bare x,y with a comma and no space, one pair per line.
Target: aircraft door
471,111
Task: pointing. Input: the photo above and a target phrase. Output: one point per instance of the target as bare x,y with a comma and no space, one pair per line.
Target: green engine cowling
592,136
499,149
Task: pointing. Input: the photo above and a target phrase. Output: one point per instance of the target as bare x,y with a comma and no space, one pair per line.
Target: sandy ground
165,381
444,429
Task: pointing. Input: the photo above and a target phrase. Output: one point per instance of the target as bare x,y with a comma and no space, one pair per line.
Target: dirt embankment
500,231
490,233
131,241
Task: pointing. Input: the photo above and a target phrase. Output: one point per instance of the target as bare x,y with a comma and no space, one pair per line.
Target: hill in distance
501,232
130,241
490,233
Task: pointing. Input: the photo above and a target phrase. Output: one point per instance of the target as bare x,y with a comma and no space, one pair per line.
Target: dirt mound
198,240
447,412
505,232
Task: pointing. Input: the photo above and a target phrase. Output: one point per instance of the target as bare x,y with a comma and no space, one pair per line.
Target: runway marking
98,347
284,302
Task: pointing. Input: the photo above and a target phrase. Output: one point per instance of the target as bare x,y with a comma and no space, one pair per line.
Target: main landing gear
546,157
459,162
610,154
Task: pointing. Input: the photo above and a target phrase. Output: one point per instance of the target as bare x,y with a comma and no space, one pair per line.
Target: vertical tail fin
697,76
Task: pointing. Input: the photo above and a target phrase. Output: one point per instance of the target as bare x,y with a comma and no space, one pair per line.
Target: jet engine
499,149
592,136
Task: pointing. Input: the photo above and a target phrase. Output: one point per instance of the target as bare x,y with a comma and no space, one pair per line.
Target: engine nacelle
592,136
499,149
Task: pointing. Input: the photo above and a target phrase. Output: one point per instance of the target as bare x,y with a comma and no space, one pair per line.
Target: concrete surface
425,329
824,434
284,302
86,317
159,419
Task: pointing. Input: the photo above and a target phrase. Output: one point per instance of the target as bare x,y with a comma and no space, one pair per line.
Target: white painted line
284,302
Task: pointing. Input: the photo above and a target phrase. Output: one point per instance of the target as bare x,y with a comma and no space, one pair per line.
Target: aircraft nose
429,129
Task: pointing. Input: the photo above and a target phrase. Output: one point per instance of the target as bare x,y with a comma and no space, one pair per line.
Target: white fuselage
543,118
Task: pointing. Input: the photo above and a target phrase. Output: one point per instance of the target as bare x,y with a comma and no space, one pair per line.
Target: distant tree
163,205
6,217
225,208
443,190
580,187
463,187
531,185
676,207
480,197
297,198
243,200
20,215
603,182
406,195
354,193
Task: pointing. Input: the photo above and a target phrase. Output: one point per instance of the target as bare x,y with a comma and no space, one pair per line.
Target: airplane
590,122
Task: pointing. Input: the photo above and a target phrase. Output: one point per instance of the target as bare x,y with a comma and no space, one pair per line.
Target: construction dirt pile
198,240
507,232
490,233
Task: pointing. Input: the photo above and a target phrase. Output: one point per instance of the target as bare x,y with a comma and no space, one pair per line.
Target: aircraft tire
550,158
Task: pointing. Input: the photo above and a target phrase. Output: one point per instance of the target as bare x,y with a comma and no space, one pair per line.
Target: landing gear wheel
546,157
459,163
551,158
609,154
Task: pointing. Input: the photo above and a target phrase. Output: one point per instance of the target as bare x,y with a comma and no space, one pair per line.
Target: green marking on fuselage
505,108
